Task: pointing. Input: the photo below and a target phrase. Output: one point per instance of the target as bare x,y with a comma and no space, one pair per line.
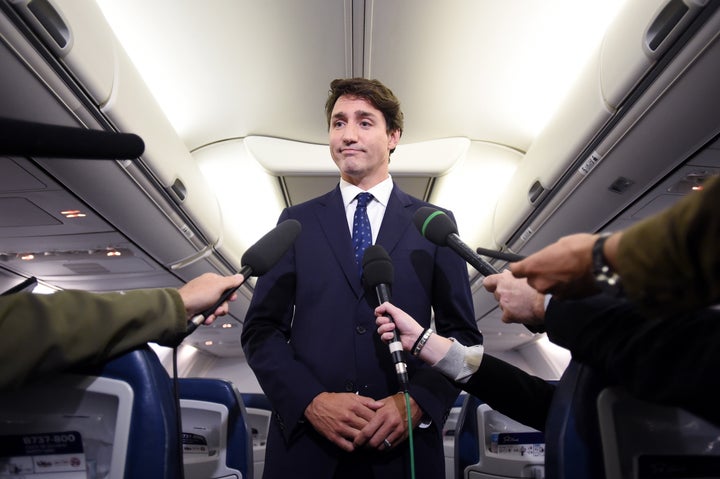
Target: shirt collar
381,191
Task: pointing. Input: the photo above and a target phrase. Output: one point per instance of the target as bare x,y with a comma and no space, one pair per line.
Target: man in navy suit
325,389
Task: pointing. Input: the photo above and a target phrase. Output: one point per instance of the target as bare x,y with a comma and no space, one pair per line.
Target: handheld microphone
378,273
256,261
26,138
512,257
439,228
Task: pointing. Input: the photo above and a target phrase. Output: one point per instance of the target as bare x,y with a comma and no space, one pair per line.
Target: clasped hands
352,421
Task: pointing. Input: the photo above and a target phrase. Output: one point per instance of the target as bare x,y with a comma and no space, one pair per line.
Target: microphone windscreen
377,266
268,250
434,225
28,138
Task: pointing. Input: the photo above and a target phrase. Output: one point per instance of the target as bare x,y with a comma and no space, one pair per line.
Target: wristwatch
606,278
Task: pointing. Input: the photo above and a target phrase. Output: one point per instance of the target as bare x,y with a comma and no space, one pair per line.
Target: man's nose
349,133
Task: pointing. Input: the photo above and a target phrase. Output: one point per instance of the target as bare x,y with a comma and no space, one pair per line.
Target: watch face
607,280
608,283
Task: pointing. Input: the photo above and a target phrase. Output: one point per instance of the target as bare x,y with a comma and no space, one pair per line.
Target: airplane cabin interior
227,98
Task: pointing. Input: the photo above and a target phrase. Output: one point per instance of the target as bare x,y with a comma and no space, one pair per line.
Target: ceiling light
73,214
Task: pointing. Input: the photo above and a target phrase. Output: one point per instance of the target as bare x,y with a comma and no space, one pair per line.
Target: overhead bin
133,109
82,41
73,35
639,36
636,40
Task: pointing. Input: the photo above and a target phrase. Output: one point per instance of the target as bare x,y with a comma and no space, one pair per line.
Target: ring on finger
387,443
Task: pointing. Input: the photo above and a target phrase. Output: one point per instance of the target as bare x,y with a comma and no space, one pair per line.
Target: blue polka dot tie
362,234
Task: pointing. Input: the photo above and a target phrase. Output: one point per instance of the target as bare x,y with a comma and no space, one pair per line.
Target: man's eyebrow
365,114
357,113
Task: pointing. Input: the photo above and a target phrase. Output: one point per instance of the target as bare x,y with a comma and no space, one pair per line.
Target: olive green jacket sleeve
671,261
48,333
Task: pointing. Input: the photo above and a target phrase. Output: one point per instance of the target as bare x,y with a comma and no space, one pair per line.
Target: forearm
511,391
673,251
42,334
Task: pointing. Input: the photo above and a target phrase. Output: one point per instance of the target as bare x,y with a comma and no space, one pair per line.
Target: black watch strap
605,277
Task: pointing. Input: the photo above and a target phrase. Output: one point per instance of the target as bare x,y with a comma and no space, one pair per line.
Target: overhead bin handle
670,22
48,18
536,190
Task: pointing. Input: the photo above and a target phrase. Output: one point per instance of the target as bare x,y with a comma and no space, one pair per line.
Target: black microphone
512,257
439,228
26,138
378,273
256,261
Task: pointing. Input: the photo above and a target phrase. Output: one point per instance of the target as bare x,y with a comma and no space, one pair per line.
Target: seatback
216,435
642,439
116,421
599,432
489,444
571,430
467,437
448,434
259,413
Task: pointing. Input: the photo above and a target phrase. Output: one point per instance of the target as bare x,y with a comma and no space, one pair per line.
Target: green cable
410,436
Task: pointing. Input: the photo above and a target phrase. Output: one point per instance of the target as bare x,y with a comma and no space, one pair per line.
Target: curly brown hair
374,92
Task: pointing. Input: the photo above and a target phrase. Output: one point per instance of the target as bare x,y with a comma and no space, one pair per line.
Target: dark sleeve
675,250
41,334
672,361
511,391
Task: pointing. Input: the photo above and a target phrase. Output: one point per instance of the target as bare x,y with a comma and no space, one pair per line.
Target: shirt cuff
460,362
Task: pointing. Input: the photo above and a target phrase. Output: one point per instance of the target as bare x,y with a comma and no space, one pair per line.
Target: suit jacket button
350,386
360,329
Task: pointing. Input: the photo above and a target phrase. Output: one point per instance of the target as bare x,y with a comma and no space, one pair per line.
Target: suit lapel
396,220
331,216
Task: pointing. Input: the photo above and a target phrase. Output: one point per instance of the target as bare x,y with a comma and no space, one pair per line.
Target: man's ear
394,139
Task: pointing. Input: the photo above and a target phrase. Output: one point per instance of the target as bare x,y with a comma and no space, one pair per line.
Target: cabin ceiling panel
511,60
247,68
275,81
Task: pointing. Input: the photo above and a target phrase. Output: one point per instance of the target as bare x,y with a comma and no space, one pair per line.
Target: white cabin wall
546,360
191,362
250,197
471,188
540,358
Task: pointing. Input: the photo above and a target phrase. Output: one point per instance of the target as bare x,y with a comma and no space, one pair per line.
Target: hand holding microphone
202,292
256,261
378,274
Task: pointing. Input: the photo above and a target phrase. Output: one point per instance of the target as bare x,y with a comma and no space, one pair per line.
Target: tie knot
363,199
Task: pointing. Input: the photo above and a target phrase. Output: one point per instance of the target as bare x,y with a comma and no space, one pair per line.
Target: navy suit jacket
311,328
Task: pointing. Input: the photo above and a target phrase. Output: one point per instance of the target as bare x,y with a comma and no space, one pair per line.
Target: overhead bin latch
179,190
51,25
670,22
536,190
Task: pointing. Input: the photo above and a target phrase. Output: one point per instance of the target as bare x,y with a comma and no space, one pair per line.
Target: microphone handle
200,318
500,254
485,268
396,350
